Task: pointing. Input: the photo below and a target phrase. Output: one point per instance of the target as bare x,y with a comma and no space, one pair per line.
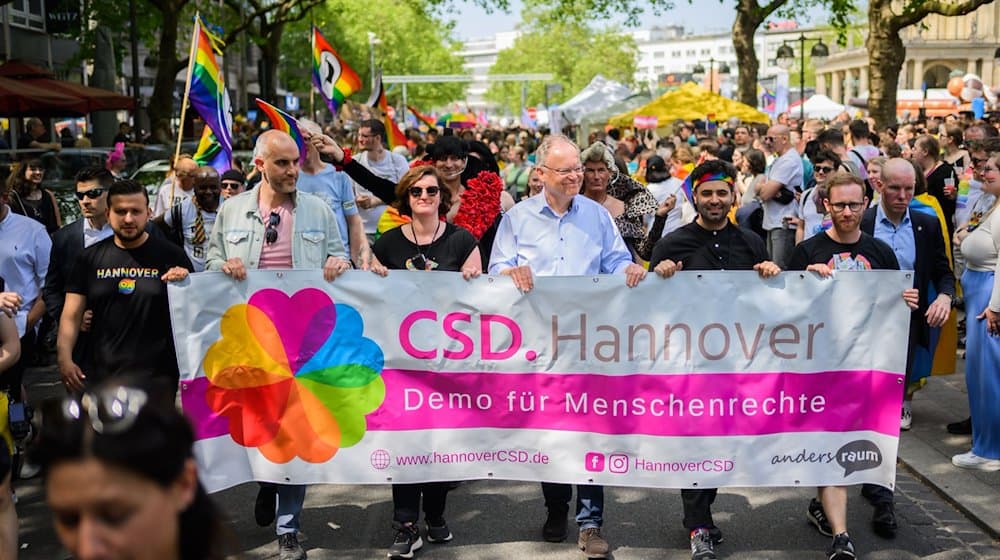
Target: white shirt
188,215
786,170
92,236
391,167
662,191
163,201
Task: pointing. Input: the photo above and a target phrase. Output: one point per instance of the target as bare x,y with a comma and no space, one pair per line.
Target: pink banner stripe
706,404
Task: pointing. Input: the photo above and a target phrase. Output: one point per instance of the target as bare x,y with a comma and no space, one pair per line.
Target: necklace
416,240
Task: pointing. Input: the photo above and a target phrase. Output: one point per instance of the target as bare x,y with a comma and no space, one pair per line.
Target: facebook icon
594,462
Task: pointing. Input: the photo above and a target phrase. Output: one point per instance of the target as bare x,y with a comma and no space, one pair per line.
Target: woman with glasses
630,203
981,287
28,198
427,243
812,216
121,480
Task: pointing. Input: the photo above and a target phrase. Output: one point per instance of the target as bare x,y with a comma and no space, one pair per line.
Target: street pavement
944,513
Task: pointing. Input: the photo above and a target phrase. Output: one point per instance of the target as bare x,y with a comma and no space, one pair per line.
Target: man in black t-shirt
711,242
122,280
842,247
942,181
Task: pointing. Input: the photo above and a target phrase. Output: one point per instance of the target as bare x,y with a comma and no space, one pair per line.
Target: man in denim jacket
273,226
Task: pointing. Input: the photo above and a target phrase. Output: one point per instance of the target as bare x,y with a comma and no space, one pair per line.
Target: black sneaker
406,542
884,521
289,547
816,516
842,548
963,428
701,545
554,529
716,534
438,532
265,506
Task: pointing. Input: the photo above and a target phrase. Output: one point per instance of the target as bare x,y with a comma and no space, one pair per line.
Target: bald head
271,140
898,171
206,173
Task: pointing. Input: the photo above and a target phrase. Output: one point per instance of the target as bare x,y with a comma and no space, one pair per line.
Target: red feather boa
480,203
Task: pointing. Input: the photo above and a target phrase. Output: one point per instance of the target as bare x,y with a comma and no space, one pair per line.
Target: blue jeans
290,500
589,502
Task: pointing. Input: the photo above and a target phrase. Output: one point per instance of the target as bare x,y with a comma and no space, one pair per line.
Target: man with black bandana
711,242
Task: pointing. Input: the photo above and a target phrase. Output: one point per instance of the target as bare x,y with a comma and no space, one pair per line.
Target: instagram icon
594,462
618,463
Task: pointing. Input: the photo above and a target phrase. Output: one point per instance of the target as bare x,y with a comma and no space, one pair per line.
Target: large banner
701,380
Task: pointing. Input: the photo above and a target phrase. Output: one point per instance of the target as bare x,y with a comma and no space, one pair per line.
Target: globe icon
380,459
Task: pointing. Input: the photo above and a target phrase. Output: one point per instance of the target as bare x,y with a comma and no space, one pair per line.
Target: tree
412,40
567,47
886,52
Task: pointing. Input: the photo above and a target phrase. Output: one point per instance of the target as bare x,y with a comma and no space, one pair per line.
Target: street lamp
372,41
786,57
699,71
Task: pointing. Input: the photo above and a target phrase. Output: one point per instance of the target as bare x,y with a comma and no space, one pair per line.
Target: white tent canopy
822,107
597,95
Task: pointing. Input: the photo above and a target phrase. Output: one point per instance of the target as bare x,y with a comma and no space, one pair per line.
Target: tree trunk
270,52
744,26
885,62
161,103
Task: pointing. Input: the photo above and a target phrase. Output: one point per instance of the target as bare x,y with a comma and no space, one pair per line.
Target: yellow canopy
691,102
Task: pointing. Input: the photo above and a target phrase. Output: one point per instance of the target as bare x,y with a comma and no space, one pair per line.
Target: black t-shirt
935,187
446,253
867,254
130,331
730,248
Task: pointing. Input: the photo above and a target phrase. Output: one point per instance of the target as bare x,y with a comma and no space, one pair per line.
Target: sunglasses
271,231
416,192
231,185
91,194
823,169
110,411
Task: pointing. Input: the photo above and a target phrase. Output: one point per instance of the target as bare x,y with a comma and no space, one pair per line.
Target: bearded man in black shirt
711,242
122,279
844,247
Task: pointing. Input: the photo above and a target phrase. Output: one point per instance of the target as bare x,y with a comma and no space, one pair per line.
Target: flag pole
184,100
312,49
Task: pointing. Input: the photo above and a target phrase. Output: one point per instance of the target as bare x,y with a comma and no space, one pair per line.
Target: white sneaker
972,461
907,417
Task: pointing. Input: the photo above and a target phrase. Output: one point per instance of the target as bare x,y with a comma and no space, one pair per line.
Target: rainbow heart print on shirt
294,376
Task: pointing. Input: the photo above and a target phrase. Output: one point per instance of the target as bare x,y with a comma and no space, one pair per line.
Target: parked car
151,176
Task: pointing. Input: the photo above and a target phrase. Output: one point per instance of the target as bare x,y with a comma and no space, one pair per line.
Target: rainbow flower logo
126,286
294,376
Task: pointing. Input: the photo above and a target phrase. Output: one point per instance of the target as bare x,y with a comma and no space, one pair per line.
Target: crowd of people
810,196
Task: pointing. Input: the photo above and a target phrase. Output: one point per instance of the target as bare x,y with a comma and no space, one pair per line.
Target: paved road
496,519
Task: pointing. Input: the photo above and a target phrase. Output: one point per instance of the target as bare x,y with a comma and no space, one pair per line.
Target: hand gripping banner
698,381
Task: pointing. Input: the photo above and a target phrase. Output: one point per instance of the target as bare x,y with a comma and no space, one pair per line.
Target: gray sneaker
289,547
701,545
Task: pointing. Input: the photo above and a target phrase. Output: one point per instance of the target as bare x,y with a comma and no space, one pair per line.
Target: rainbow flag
395,137
423,118
210,152
208,94
334,79
284,122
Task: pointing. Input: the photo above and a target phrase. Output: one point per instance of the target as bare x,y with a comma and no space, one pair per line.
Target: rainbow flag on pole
284,122
422,117
210,152
394,136
208,94
334,79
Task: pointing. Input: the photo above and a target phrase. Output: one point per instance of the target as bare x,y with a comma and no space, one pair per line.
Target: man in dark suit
92,191
918,243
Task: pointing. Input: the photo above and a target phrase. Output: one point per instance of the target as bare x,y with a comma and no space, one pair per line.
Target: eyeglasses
112,410
232,185
566,171
841,206
823,169
271,231
416,192
91,194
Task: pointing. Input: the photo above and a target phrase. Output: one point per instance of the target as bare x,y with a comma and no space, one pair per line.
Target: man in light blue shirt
562,233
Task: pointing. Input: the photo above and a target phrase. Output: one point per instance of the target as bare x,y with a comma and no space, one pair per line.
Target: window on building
27,13
659,54
658,69
706,51
691,52
675,54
